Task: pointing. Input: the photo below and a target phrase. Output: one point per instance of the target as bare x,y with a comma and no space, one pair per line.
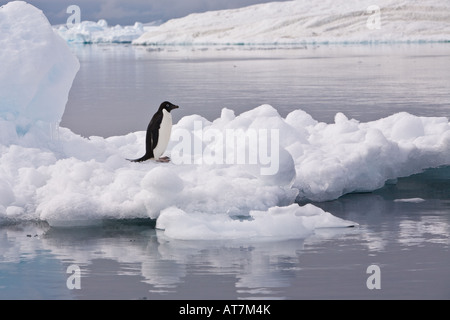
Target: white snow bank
100,32
302,21
93,181
37,71
292,222
330,159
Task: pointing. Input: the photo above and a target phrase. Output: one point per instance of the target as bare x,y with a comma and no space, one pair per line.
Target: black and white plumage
158,133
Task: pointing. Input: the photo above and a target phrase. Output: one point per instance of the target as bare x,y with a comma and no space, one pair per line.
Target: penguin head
167,106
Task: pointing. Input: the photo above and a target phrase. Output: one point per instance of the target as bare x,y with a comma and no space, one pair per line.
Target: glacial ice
305,22
37,71
283,23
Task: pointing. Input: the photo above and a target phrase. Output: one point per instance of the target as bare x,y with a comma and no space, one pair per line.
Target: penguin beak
175,107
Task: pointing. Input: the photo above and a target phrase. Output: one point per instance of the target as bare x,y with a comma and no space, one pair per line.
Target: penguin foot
164,160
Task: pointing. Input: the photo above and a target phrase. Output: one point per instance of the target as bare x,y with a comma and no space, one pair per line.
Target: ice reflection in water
253,269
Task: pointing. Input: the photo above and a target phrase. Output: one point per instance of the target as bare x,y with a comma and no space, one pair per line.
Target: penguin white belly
164,135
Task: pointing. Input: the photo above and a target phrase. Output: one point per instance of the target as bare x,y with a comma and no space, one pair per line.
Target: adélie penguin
158,133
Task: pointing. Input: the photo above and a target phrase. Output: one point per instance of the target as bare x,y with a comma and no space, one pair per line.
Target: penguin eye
167,105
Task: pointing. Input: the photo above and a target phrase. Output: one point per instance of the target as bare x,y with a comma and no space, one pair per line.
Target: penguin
158,133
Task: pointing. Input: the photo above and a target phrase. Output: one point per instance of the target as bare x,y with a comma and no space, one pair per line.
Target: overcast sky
126,12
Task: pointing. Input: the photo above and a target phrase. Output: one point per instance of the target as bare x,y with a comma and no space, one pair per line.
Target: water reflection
135,255
392,218
426,229
240,269
163,264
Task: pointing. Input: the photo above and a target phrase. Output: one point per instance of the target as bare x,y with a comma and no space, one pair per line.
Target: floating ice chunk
412,200
290,222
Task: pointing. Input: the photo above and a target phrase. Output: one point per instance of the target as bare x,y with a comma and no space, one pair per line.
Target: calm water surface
119,87
117,90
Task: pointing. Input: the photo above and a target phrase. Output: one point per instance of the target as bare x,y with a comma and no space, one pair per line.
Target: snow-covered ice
82,180
69,180
411,200
304,22
349,156
276,222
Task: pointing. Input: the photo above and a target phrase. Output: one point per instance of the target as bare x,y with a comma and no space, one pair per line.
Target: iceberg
37,71
88,32
306,22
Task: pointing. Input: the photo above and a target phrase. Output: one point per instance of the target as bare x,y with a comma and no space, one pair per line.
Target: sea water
118,88
403,228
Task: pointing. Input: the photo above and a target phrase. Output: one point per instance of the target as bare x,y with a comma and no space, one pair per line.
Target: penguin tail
144,158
